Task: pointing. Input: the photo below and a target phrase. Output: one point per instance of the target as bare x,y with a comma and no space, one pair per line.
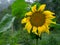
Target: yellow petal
53,22
48,12
28,26
34,30
25,20
47,29
28,13
34,8
42,7
41,30
49,21
50,16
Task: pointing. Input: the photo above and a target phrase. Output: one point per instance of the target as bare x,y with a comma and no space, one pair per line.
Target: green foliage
52,41
18,8
6,22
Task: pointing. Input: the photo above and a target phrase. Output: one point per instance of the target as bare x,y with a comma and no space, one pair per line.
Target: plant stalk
36,41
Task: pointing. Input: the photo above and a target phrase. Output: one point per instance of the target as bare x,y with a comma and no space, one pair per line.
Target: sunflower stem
37,41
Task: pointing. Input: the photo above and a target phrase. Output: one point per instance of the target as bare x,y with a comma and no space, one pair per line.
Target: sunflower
38,20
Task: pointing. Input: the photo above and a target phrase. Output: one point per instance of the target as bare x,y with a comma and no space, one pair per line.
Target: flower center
37,19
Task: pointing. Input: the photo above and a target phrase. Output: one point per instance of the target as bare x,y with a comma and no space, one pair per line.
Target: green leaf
18,8
57,26
6,22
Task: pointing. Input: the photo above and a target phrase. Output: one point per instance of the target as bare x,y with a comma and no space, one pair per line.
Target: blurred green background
11,29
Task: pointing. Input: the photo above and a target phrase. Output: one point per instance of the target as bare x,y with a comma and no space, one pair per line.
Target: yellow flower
38,20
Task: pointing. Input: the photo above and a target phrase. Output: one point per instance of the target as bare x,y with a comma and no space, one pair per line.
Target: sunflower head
38,20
